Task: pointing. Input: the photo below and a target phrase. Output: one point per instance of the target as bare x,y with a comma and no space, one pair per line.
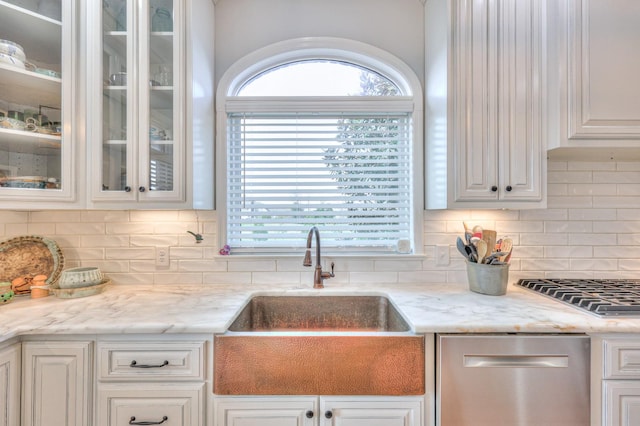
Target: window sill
325,255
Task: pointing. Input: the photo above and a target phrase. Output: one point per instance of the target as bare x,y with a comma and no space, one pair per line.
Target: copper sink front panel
319,365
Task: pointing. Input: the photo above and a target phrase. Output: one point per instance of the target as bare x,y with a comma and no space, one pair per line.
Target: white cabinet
615,380
150,133
594,85
10,374
151,380
38,111
57,386
486,76
319,411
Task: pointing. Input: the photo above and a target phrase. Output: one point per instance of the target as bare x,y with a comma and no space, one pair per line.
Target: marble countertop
209,309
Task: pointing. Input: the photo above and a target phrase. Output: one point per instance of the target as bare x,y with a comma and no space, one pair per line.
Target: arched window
322,135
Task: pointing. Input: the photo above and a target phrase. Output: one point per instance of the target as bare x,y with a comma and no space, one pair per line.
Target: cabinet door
474,135
169,405
10,385
56,383
603,70
265,411
371,411
521,75
621,403
139,73
37,116
498,71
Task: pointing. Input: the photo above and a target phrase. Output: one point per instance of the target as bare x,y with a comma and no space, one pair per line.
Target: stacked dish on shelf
12,53
80,282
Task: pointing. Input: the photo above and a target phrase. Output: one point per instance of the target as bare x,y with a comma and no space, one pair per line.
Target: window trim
329,48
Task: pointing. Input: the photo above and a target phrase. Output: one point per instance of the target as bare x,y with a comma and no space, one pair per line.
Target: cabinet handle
132,421
509,188
328,414
309,414
142,189
134,364
127,189
494,188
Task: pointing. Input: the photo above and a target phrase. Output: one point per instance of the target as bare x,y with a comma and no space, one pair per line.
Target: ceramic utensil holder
491,280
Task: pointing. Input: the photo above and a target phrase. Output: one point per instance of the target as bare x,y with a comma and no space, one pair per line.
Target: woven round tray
30,256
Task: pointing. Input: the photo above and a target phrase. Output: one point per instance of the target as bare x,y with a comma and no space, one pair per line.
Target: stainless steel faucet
318,276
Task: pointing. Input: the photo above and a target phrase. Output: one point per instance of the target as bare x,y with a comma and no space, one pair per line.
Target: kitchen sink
316,313
319,345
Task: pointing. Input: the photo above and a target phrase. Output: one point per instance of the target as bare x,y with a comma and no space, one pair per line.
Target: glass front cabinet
137,138
37,73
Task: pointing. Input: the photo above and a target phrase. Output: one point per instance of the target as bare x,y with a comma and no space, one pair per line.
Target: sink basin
319,345
305,313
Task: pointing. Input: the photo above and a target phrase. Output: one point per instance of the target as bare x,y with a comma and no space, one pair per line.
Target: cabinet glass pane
31,122
116,87
161,95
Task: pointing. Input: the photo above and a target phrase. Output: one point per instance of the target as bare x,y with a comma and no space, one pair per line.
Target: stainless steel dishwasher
513,380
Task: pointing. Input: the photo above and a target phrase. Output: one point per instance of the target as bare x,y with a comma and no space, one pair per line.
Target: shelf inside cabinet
40,36
28,88
29,142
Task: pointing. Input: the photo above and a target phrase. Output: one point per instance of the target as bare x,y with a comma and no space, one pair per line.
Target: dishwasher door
513,380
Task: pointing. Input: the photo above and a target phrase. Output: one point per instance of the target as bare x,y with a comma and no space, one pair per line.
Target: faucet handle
329,274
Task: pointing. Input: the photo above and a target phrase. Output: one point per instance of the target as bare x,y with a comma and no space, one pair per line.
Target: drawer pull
134,364
132,421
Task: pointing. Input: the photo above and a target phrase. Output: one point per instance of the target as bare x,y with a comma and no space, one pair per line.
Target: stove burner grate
603,297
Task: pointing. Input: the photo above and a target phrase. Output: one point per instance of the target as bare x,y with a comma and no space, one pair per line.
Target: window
319,140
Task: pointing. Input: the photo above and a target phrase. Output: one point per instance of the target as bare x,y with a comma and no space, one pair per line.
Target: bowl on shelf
11,60
84,276
11,48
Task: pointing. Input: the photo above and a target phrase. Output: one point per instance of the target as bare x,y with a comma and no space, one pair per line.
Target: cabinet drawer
621,359
175,405
151,360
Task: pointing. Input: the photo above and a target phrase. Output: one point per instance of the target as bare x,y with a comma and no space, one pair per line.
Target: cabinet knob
328,414
127,189
142,189
509,188
494,188
309,414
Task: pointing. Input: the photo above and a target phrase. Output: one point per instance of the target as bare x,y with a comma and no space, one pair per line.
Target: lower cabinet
149,380
56,383
318,411
10,373
615,380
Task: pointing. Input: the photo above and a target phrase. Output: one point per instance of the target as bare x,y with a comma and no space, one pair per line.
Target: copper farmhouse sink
319,345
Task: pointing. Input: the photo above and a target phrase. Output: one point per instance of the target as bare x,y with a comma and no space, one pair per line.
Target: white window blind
349,174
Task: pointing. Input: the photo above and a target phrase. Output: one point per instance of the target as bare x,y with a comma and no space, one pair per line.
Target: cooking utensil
461,246
506,246
476,233
490,237
481,247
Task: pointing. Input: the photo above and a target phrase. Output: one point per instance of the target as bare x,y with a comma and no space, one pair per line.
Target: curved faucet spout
319,276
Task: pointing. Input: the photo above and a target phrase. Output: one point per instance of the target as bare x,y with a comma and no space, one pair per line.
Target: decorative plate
30,256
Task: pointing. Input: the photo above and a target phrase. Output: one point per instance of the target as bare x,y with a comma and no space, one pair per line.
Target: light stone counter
209,309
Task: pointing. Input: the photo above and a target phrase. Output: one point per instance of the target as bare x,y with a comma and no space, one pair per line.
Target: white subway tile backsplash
590,229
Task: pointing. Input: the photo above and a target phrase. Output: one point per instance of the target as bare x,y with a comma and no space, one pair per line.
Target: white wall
243,26
591,228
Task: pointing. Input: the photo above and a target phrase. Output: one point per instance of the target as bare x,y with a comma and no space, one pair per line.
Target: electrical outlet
162,256
442,255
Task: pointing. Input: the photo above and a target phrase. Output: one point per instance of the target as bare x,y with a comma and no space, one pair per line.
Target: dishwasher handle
516,361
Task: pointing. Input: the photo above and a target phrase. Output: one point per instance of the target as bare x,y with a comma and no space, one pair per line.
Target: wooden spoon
481,246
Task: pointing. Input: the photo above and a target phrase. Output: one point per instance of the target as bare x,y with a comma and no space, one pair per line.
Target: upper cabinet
150,132
594,85
38,71
485,82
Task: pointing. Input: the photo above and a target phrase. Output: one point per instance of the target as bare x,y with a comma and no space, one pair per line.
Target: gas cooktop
605,298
